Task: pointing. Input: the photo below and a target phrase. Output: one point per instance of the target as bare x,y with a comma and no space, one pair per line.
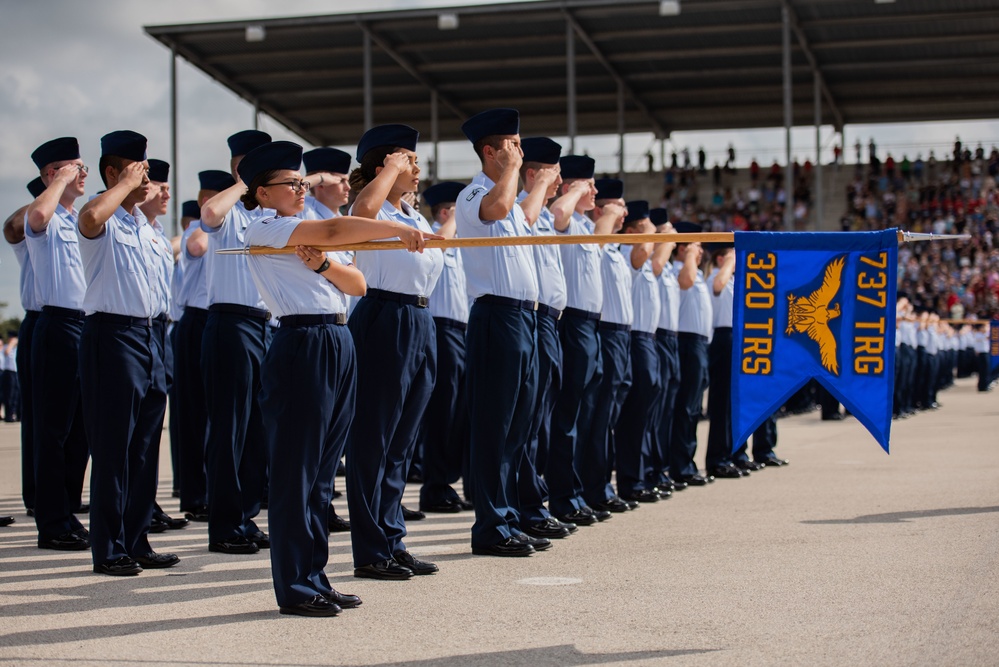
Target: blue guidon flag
994,345
814,305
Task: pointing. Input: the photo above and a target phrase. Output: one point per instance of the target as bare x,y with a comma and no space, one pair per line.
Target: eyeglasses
296,185
83,169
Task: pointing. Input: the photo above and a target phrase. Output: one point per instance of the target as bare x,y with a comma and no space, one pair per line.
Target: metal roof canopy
716,65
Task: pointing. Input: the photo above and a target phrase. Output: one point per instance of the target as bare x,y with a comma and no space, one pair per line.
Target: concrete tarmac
846,556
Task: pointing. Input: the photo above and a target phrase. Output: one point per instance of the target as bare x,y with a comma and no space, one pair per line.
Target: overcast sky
85,67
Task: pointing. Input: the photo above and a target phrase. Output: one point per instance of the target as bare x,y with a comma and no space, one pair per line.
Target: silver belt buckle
535,306
422,301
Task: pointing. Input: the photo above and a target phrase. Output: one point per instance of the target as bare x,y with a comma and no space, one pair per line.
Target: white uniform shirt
26,280
120,277
55,257
721,304
548,261
502,271
400,270
645,300
695,306
162,257
288,286
669,294
450,297
581,267
228,277
616,275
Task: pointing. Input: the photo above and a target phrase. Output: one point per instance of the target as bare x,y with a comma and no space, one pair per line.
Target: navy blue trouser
445,422
580,344
172,401
11,391
308,382
595,455
122,368
764,441
532,489
232,351
396,348
669,369
60,441
191,408
633,430
693,352
502,392
25,336
719,451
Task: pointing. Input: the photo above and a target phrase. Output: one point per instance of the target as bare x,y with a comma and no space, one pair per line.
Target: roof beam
404,63
816,71
584,37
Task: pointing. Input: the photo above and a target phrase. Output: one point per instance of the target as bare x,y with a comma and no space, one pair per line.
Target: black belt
312,320
455,324
71,313
643,334
237,309
199,312
162,318
33,313
508,301
127,320
554,313
582,314
613,326
405,299
723,328
665,333
687,334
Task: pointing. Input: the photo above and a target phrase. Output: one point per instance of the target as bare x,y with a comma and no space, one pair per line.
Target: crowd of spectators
956,195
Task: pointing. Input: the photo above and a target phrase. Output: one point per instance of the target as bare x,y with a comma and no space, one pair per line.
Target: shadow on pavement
902,517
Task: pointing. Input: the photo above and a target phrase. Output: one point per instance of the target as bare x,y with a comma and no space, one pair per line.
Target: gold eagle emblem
811,315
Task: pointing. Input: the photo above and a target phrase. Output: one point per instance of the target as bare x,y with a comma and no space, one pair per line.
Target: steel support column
819,218
570,84
788,122
368,95
174,167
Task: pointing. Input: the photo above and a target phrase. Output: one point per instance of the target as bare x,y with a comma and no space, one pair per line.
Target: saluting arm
95,213
611,215
214,210
498,202
43,208
353,229
563,207
688,274
372,196
13,227
662,251
724,274
535,199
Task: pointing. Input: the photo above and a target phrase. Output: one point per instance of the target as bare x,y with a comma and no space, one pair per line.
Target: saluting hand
545,176
666,228
509,156
133,175
65,174
615,209
398,160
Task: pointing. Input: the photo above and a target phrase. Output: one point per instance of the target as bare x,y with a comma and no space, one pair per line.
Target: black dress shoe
234,545
337,524
835,417
601,515
466,504
448,506
578,518
508,547
388,570
157,526
726,472
199,513
663,493
551,529
261,539
170,522
419,567
774,462
412,515
318,606
539,543
175,493
153,560
338,494
695,480
30,511
643,496
65,542
343,600
119,567
749,466
84,508
82,532
568,525
679,484
612,504
6,520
